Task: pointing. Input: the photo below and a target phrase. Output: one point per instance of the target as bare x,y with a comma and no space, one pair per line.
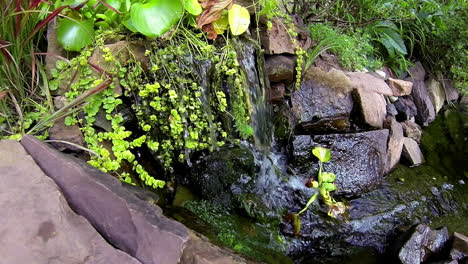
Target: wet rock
123,52
400,87
277,91
325,99
395,143
38,226
412,130
423,243
369,83
277,40
406,108
358,159
371,107
424,106
129,223
72,134
412,152
280,68
459,249
437,94
391,110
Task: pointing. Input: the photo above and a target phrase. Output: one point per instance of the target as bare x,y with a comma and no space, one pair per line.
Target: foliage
324,185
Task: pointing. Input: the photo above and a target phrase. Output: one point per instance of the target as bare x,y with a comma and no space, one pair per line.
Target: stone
412,152
277,40
451,93
412,130
393,99
380,74
358,159
55,52
406,108
400,87
459,250
327,61
280,68
324,102
369,83
62,132
424,106
60,101
423,243
130,224
37,224
395,143
389,73
277,92
391,110
436,93
122,51
417,72
371,107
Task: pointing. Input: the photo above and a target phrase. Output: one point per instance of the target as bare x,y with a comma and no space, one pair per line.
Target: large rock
280,68
71,134
395,143
277,40
423,243
129,223
406,108
400,87
437,94
358,159
371,107
277,92
417,72
412,130
412,152
369,83
459,250
37,225
324,99
424,106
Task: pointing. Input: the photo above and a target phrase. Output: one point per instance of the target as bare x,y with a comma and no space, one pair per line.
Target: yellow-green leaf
322,154
239,19
221,25
193,7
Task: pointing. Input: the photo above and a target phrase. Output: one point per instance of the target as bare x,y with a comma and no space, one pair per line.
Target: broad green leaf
329,187
193,7
323,154
393,39
155,17
74,35
221,25
327,177
239,19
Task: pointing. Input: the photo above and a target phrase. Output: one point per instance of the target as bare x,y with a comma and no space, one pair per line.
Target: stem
311,200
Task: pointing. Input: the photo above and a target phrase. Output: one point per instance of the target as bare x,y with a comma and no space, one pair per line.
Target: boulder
400,87
277,40
129,223
424,106
358,159
280,68
37,224
395,143
412,152
55,52
371,107
417,72
391,110
406,108
423,243
459,250
451,92
369,83
324,103
277,92
123,52
437,93
71,134
412,130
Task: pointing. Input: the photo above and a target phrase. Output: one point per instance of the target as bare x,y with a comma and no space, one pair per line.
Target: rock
59,101
417,72
324,101
280,68
277,91
412,130
123,52
389,73
412,152
400,87
459,249
437,94
72,134
358,159
327,61
451,93
406,108
37,224
424,106
423,243
371,107
391,110
393,99
395,143
277,40
380,74
55,52
129,223
369,83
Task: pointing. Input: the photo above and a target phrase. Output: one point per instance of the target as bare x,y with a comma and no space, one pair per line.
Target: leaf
323,154
297,224
221,25
193,7
239,19
155,17
393,40
73,35
329,187
213,11
327,177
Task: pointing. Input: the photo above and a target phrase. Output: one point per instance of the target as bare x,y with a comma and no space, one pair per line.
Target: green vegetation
324,185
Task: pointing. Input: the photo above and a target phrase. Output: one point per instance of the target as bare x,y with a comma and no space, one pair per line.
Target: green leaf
297,224
239,19
323,154
155,17
327,177
329,187
75,34
393,40
193,7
